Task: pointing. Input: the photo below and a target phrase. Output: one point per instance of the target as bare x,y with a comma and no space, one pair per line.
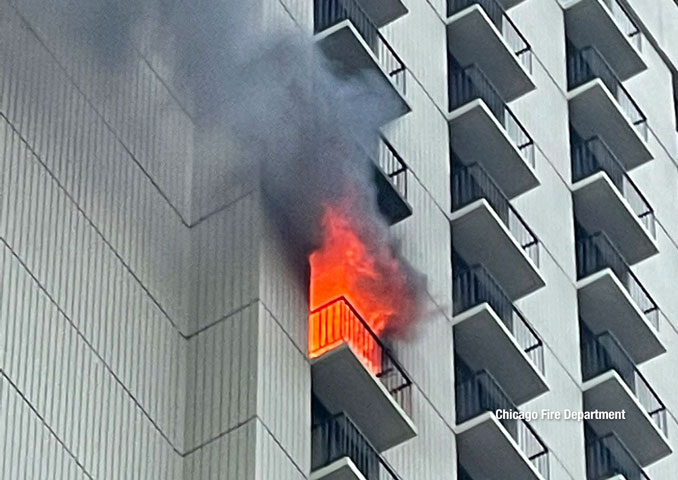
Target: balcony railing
593,155
607,456
481,393
336,323
602,353
512,36
625,23
331,12
338,437
596,252
588,64
474,286
470,83
393,166
471,183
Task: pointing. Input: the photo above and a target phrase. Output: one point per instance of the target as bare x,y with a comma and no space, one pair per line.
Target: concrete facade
152,325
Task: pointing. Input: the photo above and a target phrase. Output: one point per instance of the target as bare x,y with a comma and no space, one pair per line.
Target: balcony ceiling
477,136
608,392
391,203
474,40
342,469
605,305
383,12
351,55
484,343
590,23
480,236
598,205
595,112
486,450
343,384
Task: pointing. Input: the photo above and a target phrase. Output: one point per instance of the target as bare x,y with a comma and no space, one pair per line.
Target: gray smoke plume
267,103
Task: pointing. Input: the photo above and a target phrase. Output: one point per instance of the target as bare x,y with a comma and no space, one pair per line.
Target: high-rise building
339,239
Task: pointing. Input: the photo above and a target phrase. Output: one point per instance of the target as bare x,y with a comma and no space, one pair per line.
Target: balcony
353,372
605,25
612,383
339,451
383,12
484,130
491,334
390,174
611,298
486,229
608,458
601,107
606,199
480,33
348,37
516,450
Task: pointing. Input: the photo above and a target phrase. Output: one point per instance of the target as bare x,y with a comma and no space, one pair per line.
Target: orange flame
357,262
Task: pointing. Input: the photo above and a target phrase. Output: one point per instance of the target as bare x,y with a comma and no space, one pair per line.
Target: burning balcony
491,334
606,198
487,229
600,106
611,298
340,451
348,36
608,458
484,130
517,451
605,25
612,383
353,372
480,33
390,175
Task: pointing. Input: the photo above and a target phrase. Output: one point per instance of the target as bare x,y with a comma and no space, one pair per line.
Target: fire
356,261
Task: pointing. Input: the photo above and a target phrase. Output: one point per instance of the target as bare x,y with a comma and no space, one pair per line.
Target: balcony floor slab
605,305
480,236
608,392
343,384
590,23
595,112
484,342
474,40
598,205
351,55
484,435
477,136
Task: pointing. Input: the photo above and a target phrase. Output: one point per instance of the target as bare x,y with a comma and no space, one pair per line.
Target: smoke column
268,104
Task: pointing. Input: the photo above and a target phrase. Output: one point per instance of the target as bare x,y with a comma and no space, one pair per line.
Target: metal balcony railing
330,12
393,166
475,285
596,252
602,353
588,64
481,393
607,456
625,23
510,33
339,437
471,183
593,155
336,323
470,83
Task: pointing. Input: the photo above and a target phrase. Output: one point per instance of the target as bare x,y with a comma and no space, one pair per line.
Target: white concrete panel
283,390
431,455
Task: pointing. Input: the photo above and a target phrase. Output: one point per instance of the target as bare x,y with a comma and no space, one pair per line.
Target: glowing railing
337,322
